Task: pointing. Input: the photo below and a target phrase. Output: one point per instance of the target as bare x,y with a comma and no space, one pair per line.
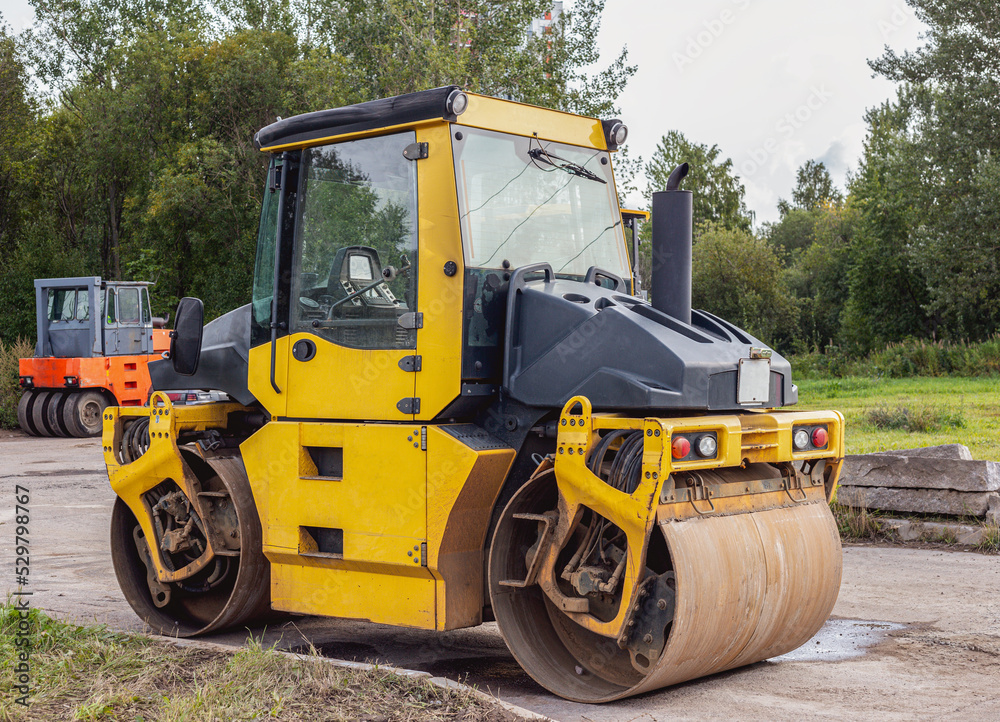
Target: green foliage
718,193
480,45
737,276
906,359
946,153
857,523
917,255
10,390
816,246
813,189
887,290
140,164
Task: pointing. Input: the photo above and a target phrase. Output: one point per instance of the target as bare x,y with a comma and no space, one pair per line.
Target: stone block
919,501
920,472
944,451
929,531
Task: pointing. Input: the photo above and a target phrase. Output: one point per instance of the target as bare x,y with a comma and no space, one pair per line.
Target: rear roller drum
25,416
718,592
232,590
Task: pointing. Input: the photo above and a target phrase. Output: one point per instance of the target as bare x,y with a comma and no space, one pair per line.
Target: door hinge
415,151
274,182
411,319
411,363
423,554
423,438
409,405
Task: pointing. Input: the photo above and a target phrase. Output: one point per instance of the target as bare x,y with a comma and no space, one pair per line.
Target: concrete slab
917,472
928,531
943,451
917,501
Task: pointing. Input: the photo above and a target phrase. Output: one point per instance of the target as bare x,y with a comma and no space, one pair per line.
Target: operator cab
85,317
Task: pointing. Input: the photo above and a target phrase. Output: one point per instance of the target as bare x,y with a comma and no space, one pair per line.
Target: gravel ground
915,633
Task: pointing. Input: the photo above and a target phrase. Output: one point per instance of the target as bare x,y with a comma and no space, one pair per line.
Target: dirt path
915,633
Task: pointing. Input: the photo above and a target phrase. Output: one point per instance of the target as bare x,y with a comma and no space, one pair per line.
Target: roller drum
241,597
748,587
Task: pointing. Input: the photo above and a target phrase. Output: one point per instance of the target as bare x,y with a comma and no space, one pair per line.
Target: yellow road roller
449,402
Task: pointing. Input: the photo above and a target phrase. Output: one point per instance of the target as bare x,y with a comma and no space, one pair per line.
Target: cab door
130,329
350,349
110,307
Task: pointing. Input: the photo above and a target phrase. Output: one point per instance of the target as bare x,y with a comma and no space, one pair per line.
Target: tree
718,194
794,233
17,118
818,274
480,45
887,291
948,144
737,276
813,189
141,163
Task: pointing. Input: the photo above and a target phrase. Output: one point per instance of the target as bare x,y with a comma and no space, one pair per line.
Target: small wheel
24,412
54,415
39,413
83,413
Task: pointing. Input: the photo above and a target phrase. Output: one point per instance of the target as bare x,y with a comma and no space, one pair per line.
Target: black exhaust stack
672,238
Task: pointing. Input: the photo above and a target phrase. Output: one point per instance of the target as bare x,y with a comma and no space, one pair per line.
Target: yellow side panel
379,503
505,116
439,297
259,376
338,383
316,588
462,486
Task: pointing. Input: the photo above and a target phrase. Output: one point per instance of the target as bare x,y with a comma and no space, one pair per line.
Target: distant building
539,26
544,24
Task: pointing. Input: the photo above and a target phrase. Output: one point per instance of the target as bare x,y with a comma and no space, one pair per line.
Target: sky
773,83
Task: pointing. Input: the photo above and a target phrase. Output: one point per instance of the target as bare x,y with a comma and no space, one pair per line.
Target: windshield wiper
566,165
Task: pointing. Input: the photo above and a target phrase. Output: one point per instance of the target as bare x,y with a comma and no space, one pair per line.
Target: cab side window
354,275
128,305
111,307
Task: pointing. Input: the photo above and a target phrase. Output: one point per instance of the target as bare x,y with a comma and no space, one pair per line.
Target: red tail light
820,437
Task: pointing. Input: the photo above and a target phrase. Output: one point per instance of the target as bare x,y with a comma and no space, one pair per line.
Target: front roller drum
234,591
746,587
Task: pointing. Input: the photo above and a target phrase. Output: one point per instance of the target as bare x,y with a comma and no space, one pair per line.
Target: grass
885,413
990,543
859,523
882,414
92,673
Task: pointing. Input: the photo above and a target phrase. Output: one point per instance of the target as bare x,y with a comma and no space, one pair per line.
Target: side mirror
185,339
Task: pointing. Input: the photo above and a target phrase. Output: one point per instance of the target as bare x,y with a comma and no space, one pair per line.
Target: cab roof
398,110
324,126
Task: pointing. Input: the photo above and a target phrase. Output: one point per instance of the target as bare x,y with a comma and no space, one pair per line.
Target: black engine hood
567,338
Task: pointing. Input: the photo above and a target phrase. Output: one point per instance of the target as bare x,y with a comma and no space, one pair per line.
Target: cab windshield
523,200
